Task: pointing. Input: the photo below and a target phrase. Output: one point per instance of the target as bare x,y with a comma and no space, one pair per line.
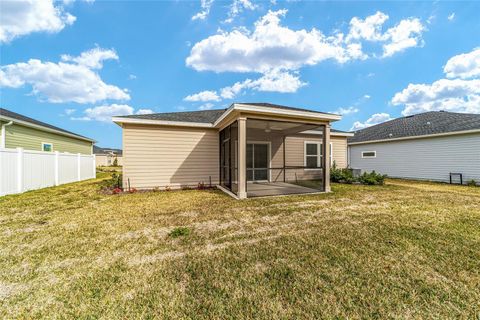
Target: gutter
4,137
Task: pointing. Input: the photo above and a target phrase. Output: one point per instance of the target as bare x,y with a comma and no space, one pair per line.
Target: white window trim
318,155
48,143
368,157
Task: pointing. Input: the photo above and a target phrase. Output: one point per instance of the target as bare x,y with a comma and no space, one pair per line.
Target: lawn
404,250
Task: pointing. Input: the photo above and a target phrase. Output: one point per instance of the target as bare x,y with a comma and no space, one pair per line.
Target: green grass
403,250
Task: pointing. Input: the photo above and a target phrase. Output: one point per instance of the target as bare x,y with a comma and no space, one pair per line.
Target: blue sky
74,64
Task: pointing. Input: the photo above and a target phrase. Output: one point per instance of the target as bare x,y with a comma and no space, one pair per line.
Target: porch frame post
326,161
242,158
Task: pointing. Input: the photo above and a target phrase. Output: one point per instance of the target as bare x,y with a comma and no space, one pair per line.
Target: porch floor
263,189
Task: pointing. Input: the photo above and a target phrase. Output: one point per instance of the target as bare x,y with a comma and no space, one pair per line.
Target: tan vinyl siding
160,156
31,139
339,151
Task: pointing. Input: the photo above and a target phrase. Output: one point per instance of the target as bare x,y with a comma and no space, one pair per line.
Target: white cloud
19,18
237,7
274,81
373,120
466,65
206,5
105,113
366,96
278,52
369,28
406,34
69,111
144,111
346,111
451,16
269,46
206,106
453,95
132,77
459,93
92,59
203,96
64,82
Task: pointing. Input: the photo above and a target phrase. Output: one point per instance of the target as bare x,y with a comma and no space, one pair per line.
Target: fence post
78,167
56,160
19,170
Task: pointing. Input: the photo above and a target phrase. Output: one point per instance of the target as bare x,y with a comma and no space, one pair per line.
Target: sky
75,64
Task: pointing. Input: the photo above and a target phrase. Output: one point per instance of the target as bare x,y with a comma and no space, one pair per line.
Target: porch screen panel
228,157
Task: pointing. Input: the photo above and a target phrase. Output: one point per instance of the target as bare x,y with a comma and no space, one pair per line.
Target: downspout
4,137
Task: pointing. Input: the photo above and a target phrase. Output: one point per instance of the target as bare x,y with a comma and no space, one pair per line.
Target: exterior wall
159,156
31,139
339,151
107,160
427,158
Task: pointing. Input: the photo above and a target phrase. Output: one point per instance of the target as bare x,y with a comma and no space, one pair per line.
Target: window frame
319,154
369,157
47,143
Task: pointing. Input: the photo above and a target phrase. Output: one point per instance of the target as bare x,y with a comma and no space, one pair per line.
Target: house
107,156
20,131
427,146
247,150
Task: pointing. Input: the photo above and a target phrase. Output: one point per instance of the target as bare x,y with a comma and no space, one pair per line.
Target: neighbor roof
100,150
10,115
208,116
428,123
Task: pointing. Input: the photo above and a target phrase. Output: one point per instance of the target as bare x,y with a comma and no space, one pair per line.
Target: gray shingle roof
17,116
205,116
433,122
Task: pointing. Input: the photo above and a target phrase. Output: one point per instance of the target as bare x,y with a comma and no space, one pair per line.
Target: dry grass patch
404,250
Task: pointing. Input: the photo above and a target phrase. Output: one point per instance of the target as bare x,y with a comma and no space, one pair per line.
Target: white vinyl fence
22,170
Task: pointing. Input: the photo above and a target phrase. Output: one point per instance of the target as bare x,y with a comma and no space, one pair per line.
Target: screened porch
274,157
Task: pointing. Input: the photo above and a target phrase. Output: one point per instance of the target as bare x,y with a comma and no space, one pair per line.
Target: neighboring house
107,156
249,149
426,146
21,131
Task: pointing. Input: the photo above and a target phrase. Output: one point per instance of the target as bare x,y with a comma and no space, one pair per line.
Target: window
369,154
48,147
313,154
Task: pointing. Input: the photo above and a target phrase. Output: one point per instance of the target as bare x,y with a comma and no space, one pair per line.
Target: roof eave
452,133
39,127
120,120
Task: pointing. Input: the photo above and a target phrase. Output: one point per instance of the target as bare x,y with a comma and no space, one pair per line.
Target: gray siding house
426,146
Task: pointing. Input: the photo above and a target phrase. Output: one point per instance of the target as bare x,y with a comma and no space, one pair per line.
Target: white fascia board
336,134
162,122
454,133
39,127
287,112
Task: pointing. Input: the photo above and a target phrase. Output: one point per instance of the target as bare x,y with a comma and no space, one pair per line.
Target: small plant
201,186
115,162
186,187
117,191
156,189
372,178
179,232
471,183
167,188
344,175
132,190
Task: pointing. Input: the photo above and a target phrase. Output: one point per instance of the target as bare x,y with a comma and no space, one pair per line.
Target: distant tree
115,162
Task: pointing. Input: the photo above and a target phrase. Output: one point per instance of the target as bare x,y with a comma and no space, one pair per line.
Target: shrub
471,183
344,175
167,188
114,182
179,232
201,186
372,178
115,162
